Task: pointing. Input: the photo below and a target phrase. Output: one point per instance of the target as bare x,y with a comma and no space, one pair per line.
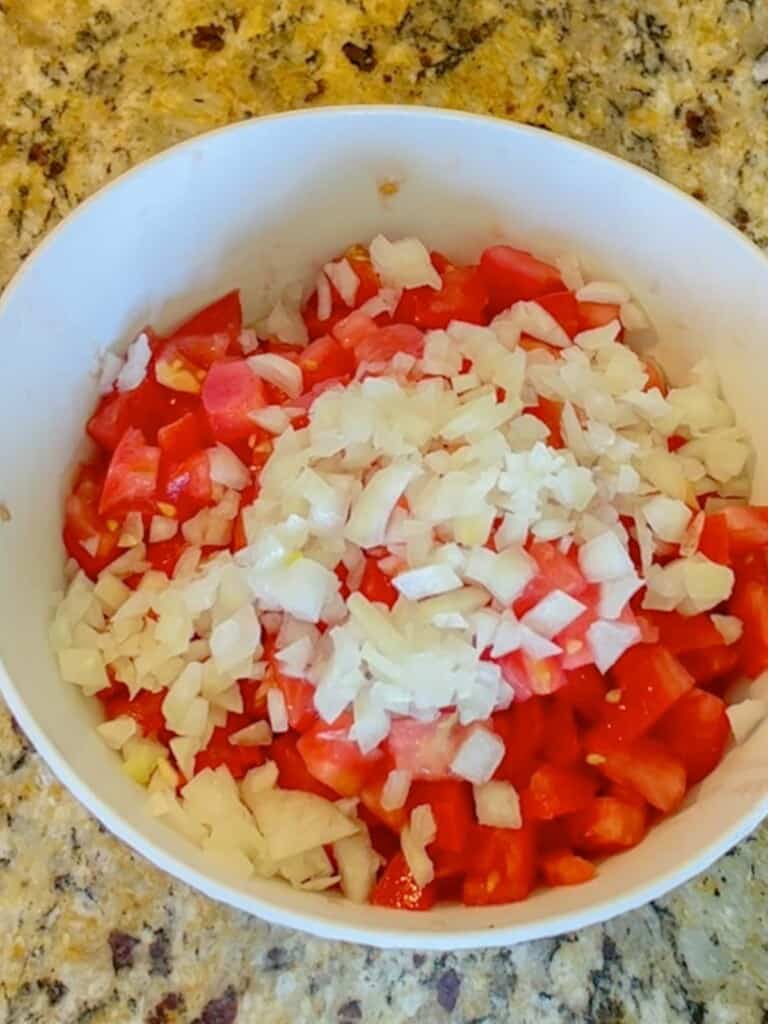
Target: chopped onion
162,528
344,280
604,292
134,369
667,517
403,264
479,756
745,717
278,370
414,839
604,558
497,805
258,734
371,511
111,366
358,863
227,469
553,613
609,640
729,627
277,711
614,595
293,821
324,297
395,790
426,581
117,731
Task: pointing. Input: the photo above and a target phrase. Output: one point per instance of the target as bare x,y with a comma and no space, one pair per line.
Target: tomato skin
111,419
386,342
608,825
513,274
651,770
563,867
502,868
549,411
554,792
370,797
131,477
425,749
292,771
712,664
556,572
324,359
682,634
747,527
562,744
463,296
521,727
183,437
376,585
163,555
397,888
239,760
750,603
650,680
335,760
230,393
82,522
452,808
145,709
223,315
563,307
714,541
187,484
585,692
299,696
697,730
596,314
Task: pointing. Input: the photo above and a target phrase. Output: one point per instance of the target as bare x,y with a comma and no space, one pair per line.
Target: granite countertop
89,932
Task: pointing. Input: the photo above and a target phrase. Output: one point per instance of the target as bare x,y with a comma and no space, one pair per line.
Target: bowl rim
404,932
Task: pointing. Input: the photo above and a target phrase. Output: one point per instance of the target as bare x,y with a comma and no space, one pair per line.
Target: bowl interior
261,205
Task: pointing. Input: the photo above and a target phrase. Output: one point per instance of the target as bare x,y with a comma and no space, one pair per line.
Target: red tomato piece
397,888
187,484
607,825
596,314
651,770
681,634
747,527
522,729
528,676
554,791
562,745
131,478
223,315
696,730
111,419
549,412
714,540
712,664
585,691
556,572
334,759
183,436
503,866
425,749
292,771
354,329
299,696
564,867
513,274
145,709
376,585
231,392
463,296
325,359
564,308
386,342
163,555
370,796
84,525
452,808
750,604
650,680
239,760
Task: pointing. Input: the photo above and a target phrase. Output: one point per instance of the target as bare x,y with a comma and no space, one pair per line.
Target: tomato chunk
522,729
750,604
299,697
220,751
681,634
132,475
651,770
562,745
145,709
596,314
607,825
585,691
334,759
87,537
513,274
696,730
325,359
554,791
231,392
463,296
503,866
386,342
712,664
556,572
224,315
292,770
649,680
183,436
397,888
452,808
370,796
376,585
187,484
747,527
549,412
714,541
563,867
564,308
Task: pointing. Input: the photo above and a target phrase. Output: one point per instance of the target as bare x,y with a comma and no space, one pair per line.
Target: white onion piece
729,627
553,613
497,805
604,558
279,813
277,711
258,734
538,647
344,280
608,292
111,366
134,369
162,528
395,790
117,731
371,511
614,595
504,574
609,640
324,297
426,581
278,370
286,324
667,517
403,264
414,839
226,469
745,717
478,757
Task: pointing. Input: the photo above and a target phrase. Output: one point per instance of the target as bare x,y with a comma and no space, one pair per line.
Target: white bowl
257,205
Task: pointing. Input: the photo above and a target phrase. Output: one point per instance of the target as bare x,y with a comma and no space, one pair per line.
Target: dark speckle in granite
54,989
220,1011
702,125
277,959
165,1011
160,954
209,37
350,1012
448,986
122,946
363,57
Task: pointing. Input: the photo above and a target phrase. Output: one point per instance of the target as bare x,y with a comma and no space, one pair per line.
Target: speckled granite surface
91,934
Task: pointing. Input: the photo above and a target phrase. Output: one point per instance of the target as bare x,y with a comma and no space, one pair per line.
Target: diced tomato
675,442
503,866
528,676
354,329
681,634
585,691
751,567
549,412
184,436
713,664
163,555
397,888
452,808
596,314
650,680
292,770
231,392
562,745
83,524
556,572
513,274
334,759
651,770
607,825
299,696
574,639
368,286
224,315
132,475
145,709
554,792
522,729
187,484
425,749
324,359
564,308
564,867
714,540
463,296
386,342
750,604
111,419
376,585
696,729
747,527
238,759
370,795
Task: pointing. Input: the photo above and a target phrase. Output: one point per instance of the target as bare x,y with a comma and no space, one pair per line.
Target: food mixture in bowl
427,589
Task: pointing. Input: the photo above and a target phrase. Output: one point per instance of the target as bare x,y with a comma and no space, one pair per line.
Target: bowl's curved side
270,200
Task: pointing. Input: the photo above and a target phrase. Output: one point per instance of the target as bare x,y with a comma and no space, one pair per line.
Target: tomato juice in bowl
270,243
